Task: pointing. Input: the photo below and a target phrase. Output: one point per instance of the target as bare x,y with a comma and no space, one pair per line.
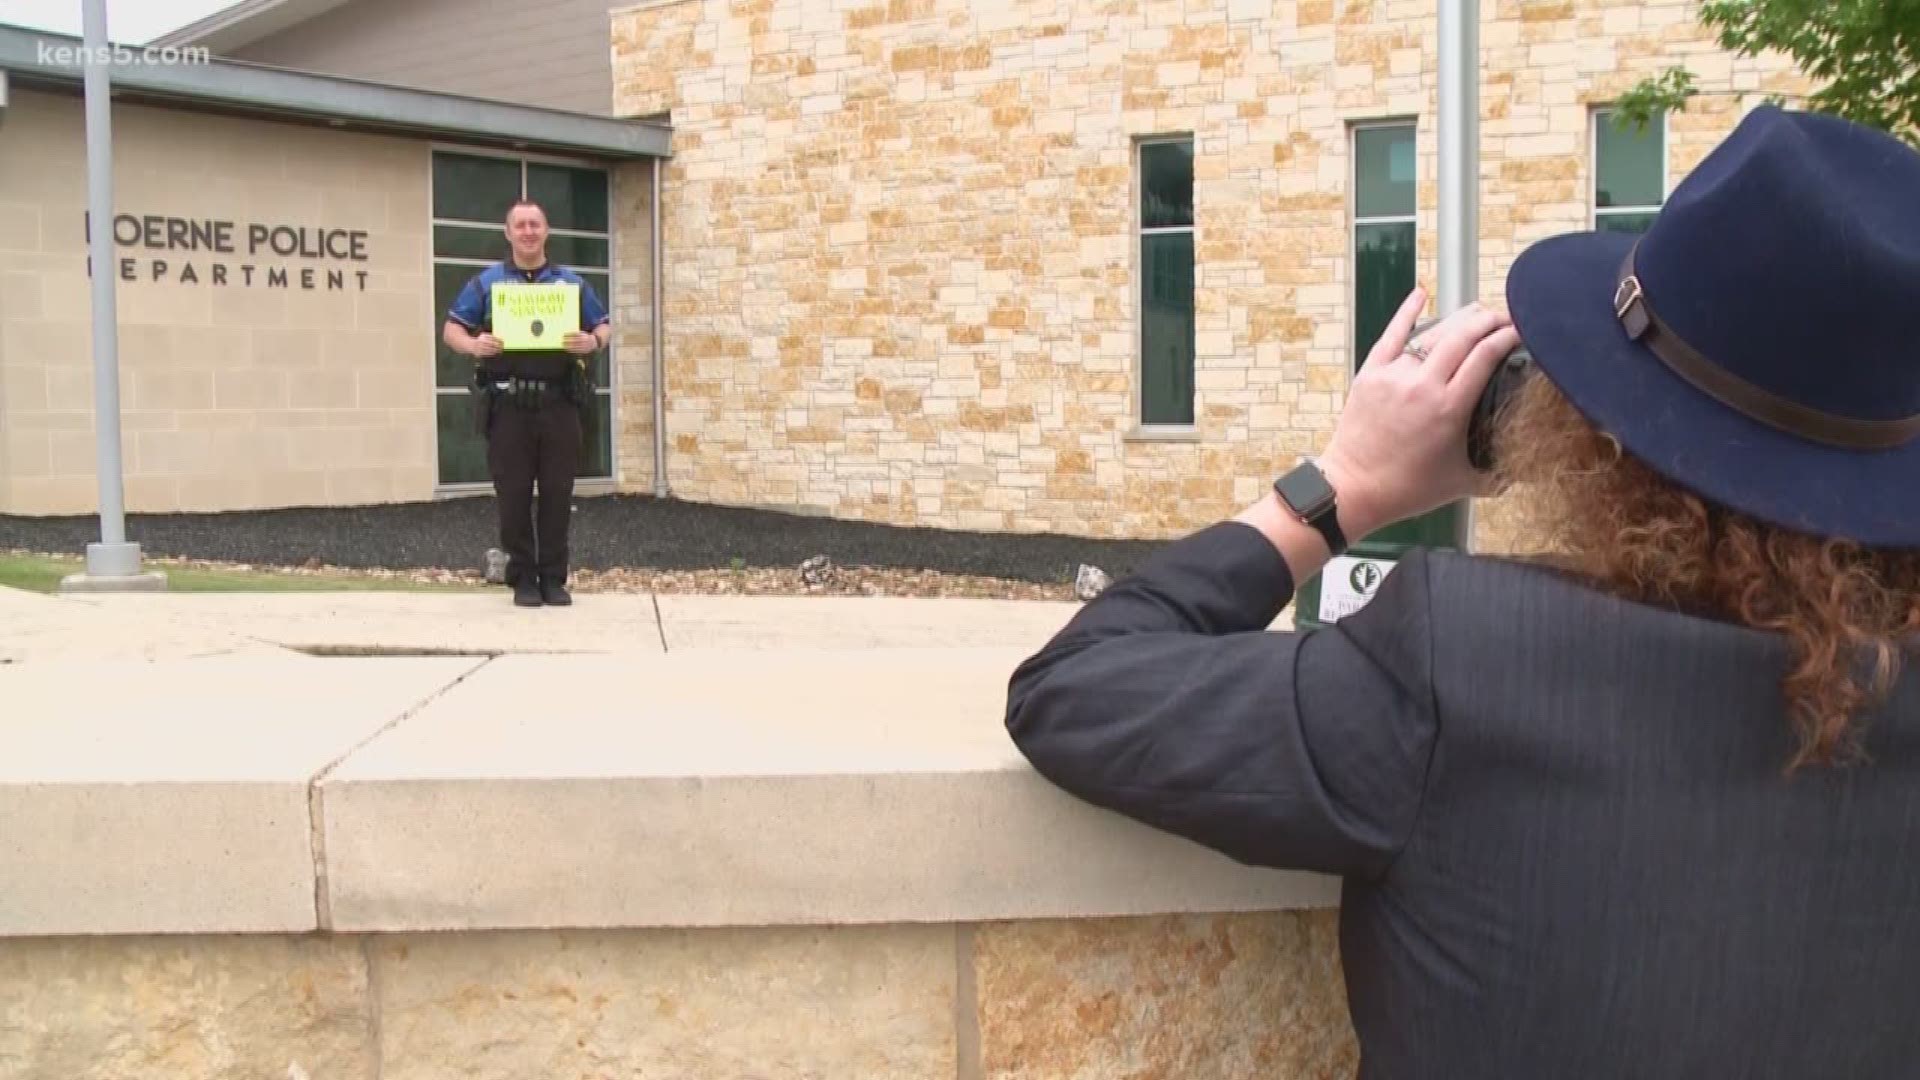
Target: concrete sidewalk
38,627
184,625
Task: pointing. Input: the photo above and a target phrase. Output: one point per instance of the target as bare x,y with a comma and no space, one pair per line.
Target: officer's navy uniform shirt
473,309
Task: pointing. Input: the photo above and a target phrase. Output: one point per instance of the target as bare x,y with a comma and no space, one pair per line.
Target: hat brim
1560,293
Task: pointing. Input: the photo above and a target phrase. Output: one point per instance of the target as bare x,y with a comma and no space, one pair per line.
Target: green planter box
1350,581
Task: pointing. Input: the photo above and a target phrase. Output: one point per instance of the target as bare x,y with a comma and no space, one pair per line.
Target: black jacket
1568,845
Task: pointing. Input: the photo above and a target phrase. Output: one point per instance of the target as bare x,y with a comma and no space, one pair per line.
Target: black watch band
1305,491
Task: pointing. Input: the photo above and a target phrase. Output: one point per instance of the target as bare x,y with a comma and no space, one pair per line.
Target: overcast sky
132,21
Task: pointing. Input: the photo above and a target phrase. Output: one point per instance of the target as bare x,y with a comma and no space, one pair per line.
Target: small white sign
1348,584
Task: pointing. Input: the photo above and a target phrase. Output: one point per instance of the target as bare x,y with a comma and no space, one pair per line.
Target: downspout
659,272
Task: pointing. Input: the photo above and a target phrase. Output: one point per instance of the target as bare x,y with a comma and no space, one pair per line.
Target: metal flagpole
1459,172
659,356
113,557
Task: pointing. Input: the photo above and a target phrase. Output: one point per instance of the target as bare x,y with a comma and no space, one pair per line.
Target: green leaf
1652,97
1864,55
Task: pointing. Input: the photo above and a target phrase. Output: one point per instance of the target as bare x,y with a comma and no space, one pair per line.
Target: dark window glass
578,251
1166,184
1383,276
572,198
1628,169
470,242
1624,223
1166,330
596,458
470,188
449,368
1384,171
463,454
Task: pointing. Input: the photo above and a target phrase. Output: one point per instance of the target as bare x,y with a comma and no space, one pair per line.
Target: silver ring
1417,350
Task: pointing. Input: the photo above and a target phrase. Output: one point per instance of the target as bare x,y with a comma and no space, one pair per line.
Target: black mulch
609,532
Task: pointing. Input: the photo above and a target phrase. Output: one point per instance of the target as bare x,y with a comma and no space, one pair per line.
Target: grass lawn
39,573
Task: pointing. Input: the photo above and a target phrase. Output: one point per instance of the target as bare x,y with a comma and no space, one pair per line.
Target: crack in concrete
316,810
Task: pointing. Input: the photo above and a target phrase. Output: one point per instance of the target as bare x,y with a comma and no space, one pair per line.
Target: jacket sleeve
1168,700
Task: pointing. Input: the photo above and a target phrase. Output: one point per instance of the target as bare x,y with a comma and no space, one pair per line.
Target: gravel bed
620,543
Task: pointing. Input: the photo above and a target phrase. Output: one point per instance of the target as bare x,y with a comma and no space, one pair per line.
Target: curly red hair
1842,608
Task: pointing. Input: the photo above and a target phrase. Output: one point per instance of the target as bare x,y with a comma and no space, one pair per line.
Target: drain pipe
659,272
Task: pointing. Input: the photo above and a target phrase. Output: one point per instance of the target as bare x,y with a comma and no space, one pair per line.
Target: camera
1505,382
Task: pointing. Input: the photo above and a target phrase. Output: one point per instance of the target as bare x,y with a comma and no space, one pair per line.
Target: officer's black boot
526,592
555,593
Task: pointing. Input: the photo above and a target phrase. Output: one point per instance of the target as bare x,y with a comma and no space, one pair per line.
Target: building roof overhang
34,59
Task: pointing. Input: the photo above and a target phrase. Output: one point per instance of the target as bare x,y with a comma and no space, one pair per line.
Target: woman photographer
1645,809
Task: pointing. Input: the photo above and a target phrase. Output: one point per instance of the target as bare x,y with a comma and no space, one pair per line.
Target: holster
482,393
578,387
579,391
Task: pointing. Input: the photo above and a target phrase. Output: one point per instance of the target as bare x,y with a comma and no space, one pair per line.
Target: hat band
1757,403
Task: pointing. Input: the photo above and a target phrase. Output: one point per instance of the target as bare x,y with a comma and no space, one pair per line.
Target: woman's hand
1400,446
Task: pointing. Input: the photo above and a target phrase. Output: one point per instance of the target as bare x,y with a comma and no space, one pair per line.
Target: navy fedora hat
1759,345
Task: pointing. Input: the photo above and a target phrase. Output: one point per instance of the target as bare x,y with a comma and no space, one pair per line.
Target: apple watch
1305,491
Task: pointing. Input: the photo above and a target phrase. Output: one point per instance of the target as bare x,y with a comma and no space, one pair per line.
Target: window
1165,171
471,193
1383,229
1629,173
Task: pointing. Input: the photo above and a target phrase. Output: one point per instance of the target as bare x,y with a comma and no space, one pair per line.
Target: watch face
1305,490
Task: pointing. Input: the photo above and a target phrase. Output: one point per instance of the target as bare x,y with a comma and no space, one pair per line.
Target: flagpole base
114,568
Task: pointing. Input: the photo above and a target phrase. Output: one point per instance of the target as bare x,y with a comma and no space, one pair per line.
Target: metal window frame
586,485
1139,429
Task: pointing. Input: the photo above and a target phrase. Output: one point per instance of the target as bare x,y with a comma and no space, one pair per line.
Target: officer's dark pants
524,446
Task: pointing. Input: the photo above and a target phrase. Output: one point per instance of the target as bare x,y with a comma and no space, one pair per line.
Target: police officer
529,406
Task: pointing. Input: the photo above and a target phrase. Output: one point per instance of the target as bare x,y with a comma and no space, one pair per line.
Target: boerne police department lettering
193,250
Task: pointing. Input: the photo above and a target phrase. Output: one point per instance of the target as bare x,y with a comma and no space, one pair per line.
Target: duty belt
526,393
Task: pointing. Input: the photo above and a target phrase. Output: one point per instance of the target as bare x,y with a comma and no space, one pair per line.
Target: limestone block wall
1098,999
266,378
900,249
267,864
632,308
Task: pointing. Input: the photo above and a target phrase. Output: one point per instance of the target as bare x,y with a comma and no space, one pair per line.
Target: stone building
1089,266
1097,267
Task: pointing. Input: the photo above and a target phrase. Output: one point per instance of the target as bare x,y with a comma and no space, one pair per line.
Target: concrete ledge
697,789
717,864
717,789
173,797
